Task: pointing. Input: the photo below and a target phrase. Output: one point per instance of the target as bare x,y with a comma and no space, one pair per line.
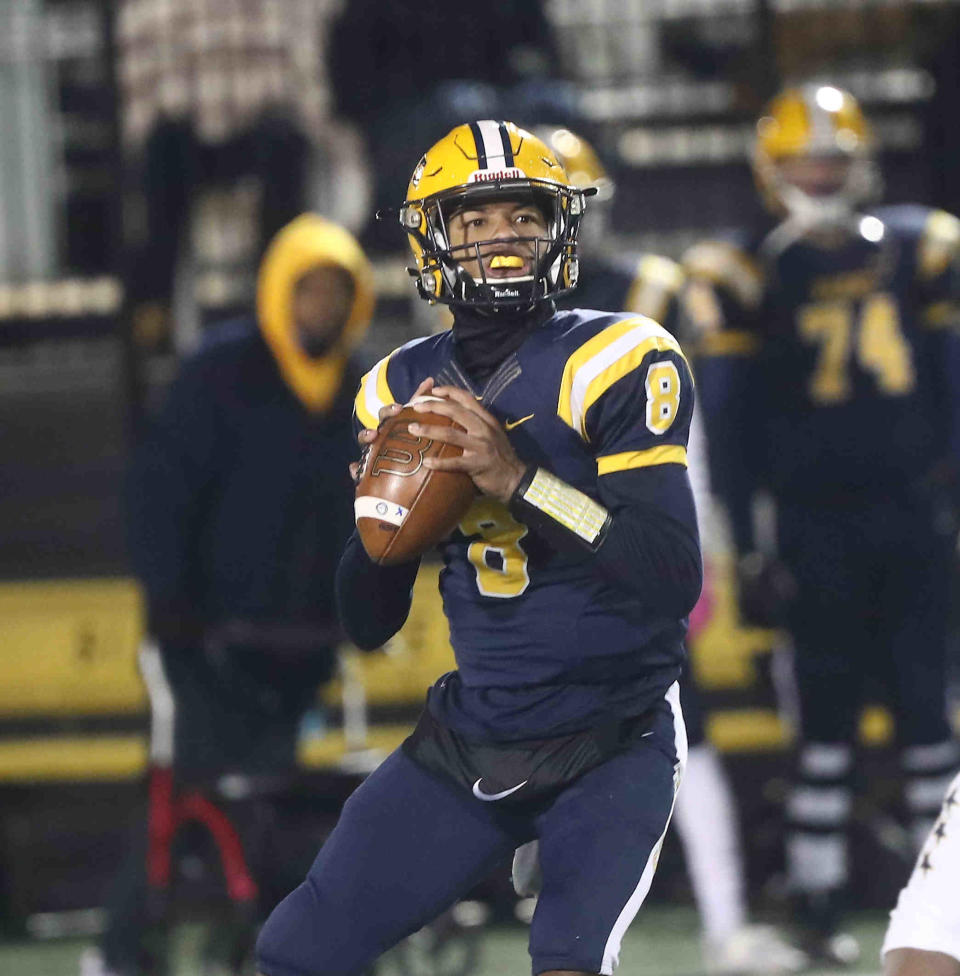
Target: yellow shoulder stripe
374,395
601,361
939,244
725,264
628,460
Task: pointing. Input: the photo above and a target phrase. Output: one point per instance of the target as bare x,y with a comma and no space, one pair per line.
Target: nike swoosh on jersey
510,424
490,797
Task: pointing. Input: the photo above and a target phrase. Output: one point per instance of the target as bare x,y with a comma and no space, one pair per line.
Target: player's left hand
488,457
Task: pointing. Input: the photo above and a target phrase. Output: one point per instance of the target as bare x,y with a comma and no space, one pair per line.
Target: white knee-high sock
818,818
927,772
706,821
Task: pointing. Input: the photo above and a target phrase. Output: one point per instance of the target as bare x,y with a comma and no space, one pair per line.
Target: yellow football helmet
578,158
584,170
473,164
813,155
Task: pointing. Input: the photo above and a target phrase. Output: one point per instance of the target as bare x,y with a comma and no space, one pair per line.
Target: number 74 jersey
587,395
849,385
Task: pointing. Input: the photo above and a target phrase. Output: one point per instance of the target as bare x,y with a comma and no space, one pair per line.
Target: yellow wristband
563,503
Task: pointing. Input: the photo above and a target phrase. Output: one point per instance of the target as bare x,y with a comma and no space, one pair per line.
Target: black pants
871,616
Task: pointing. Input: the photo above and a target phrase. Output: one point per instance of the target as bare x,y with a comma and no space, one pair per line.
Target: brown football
402,508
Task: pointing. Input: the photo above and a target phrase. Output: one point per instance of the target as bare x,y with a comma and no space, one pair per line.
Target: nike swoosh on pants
489,797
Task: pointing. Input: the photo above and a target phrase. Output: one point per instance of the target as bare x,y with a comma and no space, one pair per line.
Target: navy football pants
408,845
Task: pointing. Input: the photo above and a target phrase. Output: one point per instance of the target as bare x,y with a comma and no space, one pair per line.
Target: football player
829,375
705,814
923,938
566,586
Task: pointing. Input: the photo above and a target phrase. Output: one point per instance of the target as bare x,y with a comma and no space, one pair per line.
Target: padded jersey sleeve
629,393
719,311
938,283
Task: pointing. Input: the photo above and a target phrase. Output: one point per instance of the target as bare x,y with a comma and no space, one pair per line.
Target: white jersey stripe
607,357
611,951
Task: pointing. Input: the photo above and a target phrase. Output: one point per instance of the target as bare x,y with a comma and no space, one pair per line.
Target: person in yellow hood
239,507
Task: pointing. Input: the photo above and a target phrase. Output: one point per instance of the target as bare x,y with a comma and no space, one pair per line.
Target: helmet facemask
458,274
828,207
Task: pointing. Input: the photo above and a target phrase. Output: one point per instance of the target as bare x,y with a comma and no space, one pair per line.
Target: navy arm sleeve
652,547
724,384
720,308
373,601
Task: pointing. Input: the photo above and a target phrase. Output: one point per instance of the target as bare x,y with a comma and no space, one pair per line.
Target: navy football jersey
847,390
586,395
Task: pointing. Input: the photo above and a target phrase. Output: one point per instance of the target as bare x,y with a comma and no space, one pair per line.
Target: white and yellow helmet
814,121
478,162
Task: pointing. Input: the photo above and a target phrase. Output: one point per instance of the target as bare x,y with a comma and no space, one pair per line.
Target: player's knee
279,950
300,939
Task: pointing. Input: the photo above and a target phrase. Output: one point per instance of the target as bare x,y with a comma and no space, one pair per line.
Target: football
402,508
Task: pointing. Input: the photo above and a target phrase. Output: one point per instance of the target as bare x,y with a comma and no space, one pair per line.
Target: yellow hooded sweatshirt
308,242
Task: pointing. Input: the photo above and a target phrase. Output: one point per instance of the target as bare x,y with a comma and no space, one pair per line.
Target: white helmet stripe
823,130
493,147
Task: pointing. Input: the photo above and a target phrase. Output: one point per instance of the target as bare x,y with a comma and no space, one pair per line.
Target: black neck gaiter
483,340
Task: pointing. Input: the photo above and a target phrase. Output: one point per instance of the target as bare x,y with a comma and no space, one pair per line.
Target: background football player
566,587
829,375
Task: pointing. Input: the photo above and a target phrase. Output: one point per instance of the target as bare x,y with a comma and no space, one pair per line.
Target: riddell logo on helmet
490,175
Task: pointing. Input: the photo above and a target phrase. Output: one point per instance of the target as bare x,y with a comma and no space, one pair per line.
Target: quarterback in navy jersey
829,371
566,585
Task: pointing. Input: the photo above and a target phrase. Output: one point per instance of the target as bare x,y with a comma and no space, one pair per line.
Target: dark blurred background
146,149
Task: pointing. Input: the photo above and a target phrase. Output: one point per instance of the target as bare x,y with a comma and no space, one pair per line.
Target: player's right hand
765,590
366,437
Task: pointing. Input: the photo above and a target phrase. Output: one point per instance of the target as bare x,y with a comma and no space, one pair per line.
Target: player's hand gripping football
488,458
366,437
